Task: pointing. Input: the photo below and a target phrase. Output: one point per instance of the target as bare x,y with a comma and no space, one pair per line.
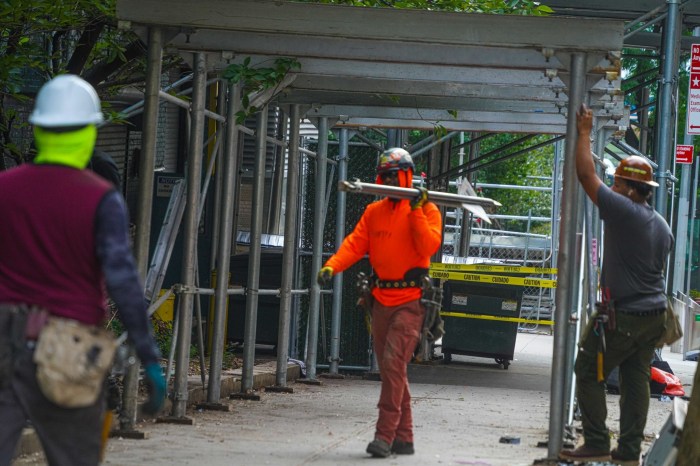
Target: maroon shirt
47,240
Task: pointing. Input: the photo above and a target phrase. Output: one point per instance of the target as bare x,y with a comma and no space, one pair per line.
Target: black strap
413,278
397,284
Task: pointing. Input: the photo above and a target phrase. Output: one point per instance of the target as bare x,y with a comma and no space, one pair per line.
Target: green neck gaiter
73,148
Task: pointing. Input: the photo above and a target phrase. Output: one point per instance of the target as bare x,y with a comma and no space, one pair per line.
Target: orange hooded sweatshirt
396,238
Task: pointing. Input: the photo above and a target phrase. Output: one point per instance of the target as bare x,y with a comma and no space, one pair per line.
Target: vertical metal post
556,200
392,137
223,261
251,304
665,128
643,116
680,249
288,250
593,223
339,236
691,219
317,255
127,417
277,178
465,237
297,282
190,224
566,262
219,174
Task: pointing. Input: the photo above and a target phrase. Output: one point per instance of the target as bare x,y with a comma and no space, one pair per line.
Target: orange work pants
396,331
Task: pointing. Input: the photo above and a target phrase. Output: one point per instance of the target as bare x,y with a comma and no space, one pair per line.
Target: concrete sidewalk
461,411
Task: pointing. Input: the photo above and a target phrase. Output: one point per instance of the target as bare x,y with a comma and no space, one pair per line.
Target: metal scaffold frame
509,74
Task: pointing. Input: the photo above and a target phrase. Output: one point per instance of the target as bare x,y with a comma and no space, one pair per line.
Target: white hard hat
66,100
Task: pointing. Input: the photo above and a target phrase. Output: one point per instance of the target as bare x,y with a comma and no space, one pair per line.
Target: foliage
163,333
162,330
258,79
641,70
43,38
522,7
533,168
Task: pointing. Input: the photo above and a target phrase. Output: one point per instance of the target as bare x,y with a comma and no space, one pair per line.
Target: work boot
402,448
622,461
584,454
378,448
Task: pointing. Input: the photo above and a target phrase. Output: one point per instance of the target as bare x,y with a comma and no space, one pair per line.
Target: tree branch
101,71
86,42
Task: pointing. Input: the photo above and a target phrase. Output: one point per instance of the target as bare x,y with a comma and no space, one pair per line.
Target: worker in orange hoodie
399,235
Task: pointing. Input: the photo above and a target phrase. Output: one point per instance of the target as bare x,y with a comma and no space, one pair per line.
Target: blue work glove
324,276
153,376
420,200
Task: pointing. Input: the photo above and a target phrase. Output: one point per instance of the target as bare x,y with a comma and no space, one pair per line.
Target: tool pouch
607,309
433,325
672,328
72,361
365,299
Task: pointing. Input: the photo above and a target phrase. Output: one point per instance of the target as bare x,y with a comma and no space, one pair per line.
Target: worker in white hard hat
63,243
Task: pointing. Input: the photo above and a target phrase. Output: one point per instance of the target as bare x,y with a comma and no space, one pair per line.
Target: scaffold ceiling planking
404,68
627,10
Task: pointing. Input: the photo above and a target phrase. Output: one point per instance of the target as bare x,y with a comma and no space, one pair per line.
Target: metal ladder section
166,241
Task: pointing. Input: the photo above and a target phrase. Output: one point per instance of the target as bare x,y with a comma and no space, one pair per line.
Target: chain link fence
354,338
515,249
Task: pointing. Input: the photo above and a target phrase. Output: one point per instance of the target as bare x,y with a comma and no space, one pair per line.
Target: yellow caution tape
498,318
494,279
491,268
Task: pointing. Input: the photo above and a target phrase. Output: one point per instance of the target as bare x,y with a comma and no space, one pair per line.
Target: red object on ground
673,386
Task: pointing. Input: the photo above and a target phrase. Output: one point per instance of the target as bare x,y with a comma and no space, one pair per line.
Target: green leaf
241,116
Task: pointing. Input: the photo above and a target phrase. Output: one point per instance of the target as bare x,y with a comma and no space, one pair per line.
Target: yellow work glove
420,200
324,276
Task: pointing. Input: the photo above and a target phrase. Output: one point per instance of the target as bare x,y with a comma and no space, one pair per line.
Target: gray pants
69,436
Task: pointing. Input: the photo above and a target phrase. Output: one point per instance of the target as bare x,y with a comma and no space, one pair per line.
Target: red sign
693,104
695,80
695,58
684,154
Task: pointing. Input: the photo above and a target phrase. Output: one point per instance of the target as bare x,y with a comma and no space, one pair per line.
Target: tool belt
413,278
72,361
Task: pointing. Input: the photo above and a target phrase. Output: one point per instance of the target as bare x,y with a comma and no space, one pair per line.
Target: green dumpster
480,320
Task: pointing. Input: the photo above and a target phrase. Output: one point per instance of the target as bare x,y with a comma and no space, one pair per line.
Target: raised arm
585,169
